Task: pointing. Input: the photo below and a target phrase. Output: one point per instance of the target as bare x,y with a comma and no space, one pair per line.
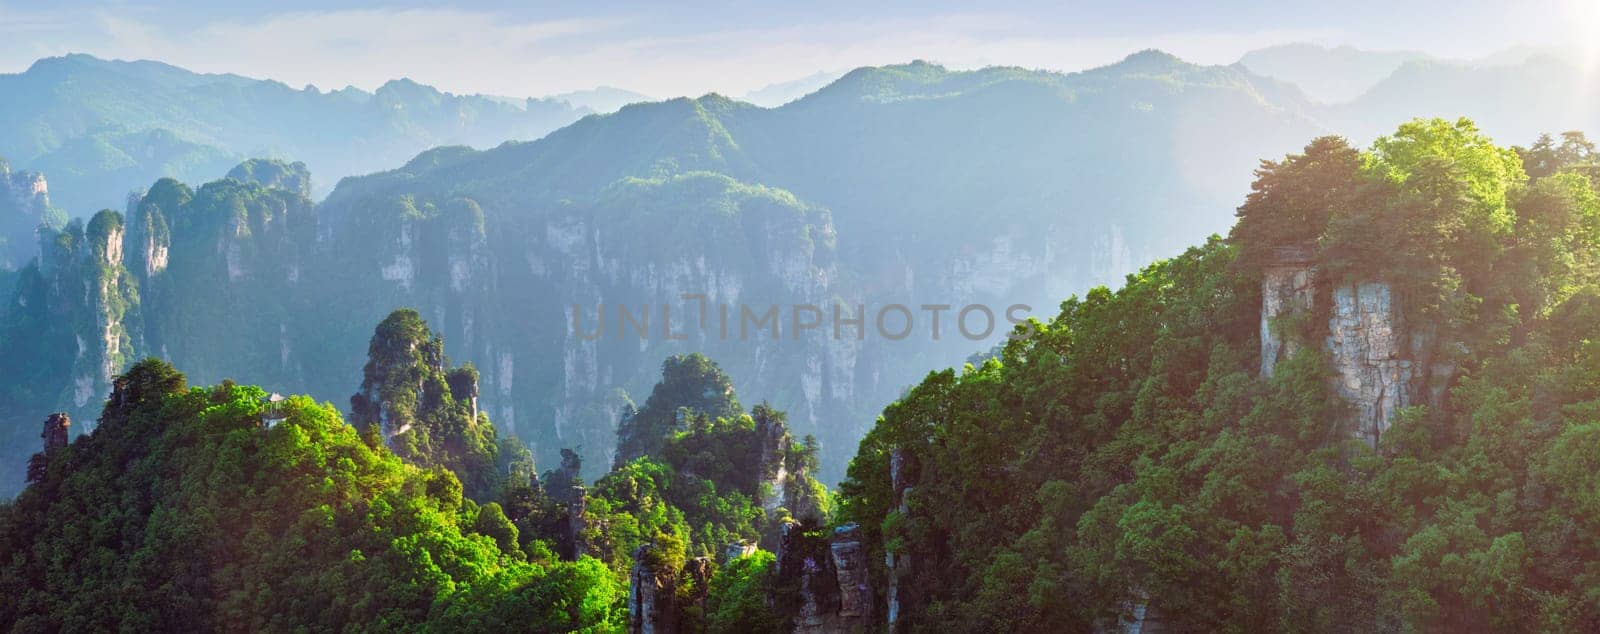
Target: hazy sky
666,48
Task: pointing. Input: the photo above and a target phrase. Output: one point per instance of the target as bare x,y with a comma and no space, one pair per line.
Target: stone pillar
850,568
55,438
577,520
55,431
1373,368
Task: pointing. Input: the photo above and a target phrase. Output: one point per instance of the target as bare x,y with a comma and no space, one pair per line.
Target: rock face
653,601
24,197
831,575
55,439
851,572
1287,289
1381,363
649,597
1367,341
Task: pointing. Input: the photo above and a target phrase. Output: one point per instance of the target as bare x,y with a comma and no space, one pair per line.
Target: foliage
737,600
690,382
425,410
183,511
1128,452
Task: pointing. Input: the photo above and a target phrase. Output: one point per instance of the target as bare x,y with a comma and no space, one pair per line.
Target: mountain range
102,128
910,184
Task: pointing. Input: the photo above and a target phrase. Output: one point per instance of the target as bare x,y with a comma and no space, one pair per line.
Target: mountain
774,95
24,205
1542,93
104,128
1330,75
890,193
1370,408
602,99
1515,94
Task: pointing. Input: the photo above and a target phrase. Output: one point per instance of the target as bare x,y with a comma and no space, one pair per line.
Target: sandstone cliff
24,199
1381,361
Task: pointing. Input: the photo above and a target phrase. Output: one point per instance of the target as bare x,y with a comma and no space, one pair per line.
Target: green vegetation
710,471
1129,453
225,508
183,510
425,410
274,174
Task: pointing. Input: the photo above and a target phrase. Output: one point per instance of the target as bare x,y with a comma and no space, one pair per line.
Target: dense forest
226,508
1139,459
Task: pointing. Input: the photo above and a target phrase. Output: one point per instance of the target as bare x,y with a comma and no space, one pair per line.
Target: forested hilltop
231,509
1372,407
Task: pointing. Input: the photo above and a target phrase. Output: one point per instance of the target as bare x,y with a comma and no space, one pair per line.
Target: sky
690,48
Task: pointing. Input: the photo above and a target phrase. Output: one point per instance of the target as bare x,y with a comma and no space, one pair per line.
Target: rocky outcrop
650,609
654,603
774,438
24,198
577,518
149,237
55,431
274,174
827,578
55,439
1380,361
422,408
851,573
1368,343
1288,290
738,549
86,292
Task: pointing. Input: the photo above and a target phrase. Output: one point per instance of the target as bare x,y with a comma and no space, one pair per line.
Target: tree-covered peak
1150,456
691,385
274,174
1150,61
915,80
403,93
424,409
221,508
80,64
436,157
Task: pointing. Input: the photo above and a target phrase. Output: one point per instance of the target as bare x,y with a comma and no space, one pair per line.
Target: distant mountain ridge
1330,75
102,128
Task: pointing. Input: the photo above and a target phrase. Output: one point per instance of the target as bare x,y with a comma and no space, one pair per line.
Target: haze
730,47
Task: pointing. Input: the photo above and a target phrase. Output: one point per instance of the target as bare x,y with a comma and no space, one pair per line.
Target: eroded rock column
1370,349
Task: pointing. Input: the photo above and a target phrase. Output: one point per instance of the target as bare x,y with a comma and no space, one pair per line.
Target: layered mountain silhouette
911,184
